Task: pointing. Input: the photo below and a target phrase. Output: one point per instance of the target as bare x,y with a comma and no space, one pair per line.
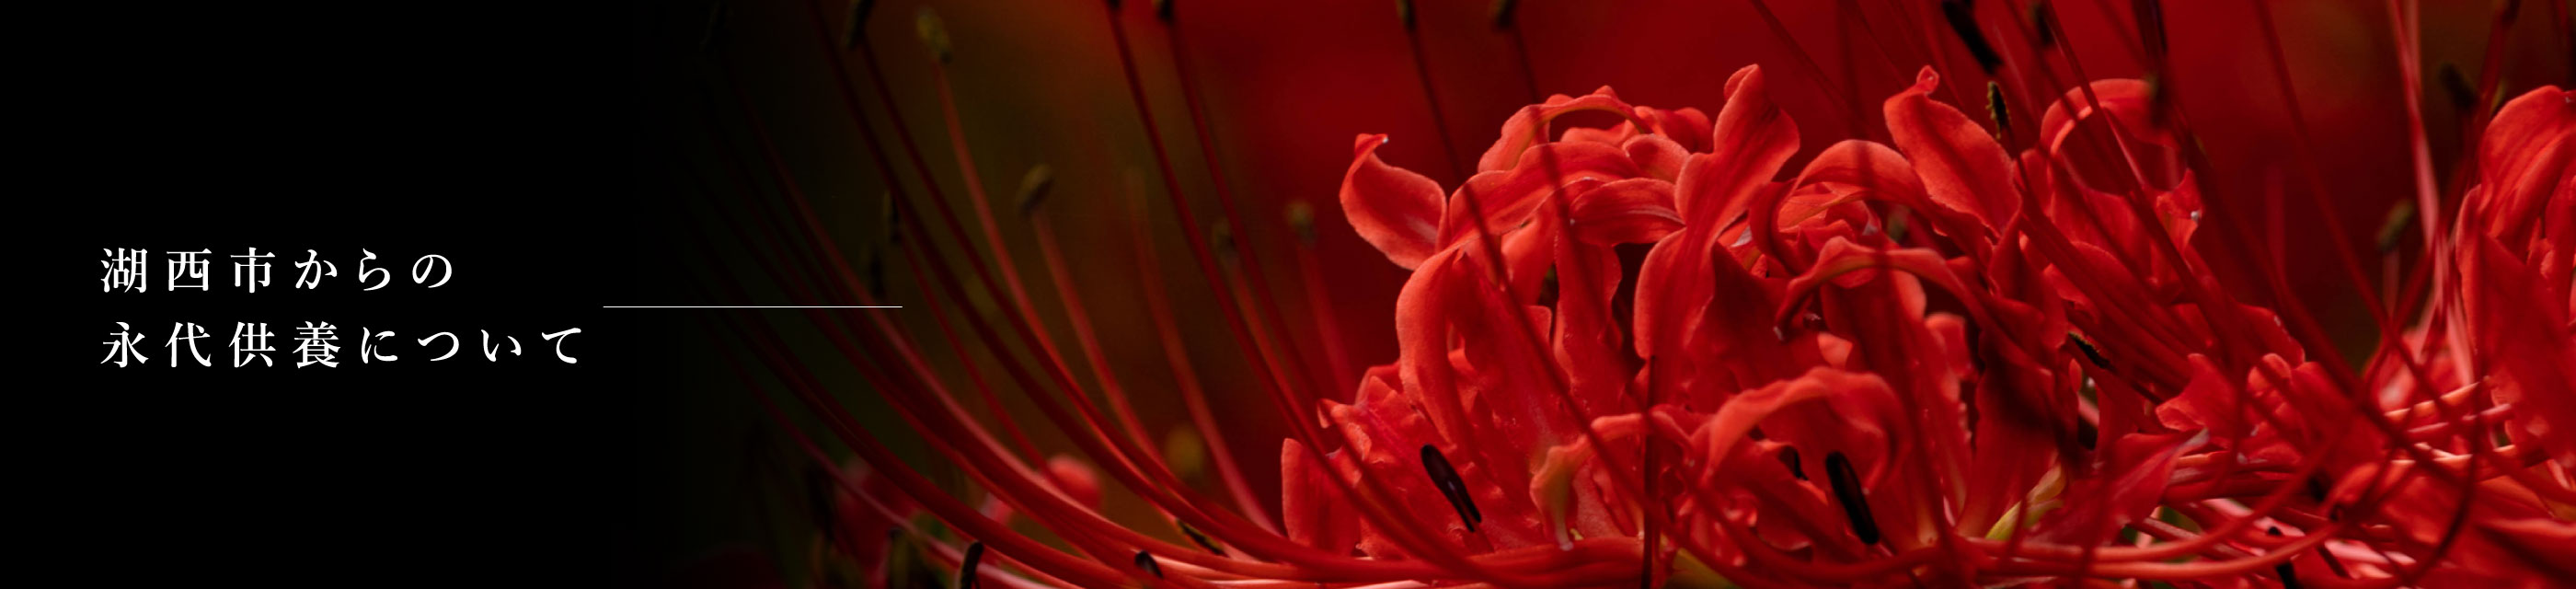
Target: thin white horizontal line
750,307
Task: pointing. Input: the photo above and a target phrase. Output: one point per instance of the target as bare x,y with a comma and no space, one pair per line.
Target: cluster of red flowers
1631,355
2025,371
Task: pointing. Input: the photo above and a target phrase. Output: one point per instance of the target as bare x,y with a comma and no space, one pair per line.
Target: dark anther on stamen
1145,560
1033,187
1301,219
1201,539
2150,16
2002,114
2463,95
857,23
933,32
1503,12
2394,227
2289,576
2089,353
1789,456
1847,491
2317,489
1962,16
1446,479
2041,16
1163,10
1221,238
1404,13
966,568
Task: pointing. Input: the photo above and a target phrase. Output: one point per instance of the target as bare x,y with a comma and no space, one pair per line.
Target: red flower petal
1961,165
1530,126
1754,138
1881,173
1656,156
1393,208
1635,210
1506,198
1688,127
2525,157
2073,130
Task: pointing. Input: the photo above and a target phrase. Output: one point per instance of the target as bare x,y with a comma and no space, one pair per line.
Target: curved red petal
1395,209
1530,126
2073,129
1635,210
1961,166
1754,137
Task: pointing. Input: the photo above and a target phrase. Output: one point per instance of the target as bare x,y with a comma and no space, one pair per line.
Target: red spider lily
1781,330
1635,354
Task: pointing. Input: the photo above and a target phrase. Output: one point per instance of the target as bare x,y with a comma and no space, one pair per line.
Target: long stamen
851,105
2123,300
1119,453
2311,335
1506,18
1021,322
1310,272
1925,50
1236,321
2318,192
1814,72
778,169
1032,190
2137,200
1184,376
1053,411
1285,398
1026,323
1019,483
1163,488
1887,59
1458,168
950,509
887,330
1257,282
2295,316
842,480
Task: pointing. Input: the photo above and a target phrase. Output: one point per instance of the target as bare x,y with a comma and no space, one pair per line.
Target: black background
504,137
